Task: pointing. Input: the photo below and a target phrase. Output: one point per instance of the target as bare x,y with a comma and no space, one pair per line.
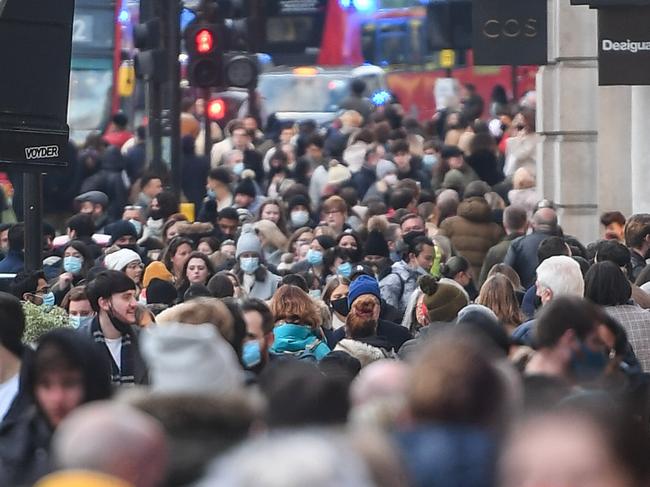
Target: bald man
378,393
113,439
522,254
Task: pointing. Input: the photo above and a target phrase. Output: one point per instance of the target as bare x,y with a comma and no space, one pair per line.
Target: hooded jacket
472,231
25,438
366,350
396,288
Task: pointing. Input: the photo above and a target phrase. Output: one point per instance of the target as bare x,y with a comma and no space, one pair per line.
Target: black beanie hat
298,200
376,244
120,229
161,292
247,187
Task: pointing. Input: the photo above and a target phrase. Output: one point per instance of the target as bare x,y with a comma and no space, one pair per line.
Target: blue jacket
448,455
291,339
13,263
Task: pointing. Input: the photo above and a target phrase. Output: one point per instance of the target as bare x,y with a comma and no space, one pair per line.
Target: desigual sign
509,32
623,46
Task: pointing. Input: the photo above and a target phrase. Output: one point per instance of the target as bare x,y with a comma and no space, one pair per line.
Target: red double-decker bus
393,34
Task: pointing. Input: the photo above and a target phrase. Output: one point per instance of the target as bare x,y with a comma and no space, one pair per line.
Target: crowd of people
378,302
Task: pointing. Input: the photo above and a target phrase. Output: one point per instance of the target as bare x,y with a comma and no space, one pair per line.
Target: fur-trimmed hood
367,351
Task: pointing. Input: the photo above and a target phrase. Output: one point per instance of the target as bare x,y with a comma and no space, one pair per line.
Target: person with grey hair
522,254
292,459
557,276
114,439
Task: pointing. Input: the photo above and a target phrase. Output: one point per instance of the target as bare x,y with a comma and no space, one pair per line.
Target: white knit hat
117,261
190,359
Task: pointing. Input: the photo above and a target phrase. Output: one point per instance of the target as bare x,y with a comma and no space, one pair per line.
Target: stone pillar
567,118
640,153
614,149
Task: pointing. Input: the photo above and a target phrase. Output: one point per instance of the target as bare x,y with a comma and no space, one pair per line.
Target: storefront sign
509,32
624,46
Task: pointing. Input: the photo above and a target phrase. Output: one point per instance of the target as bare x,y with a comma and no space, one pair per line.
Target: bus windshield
287,93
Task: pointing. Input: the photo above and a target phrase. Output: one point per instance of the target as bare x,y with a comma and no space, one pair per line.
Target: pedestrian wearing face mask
257,281
78,307
77,261
112,295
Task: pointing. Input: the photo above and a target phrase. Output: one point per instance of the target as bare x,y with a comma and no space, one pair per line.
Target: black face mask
340,306
155,214
123,327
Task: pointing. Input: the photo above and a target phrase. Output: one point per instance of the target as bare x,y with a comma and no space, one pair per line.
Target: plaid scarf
119,375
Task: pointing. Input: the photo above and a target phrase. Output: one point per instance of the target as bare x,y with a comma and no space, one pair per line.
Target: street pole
33,214
206,124
173,49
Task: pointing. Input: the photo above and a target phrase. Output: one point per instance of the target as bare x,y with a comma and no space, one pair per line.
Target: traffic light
205,66
216,109
241,70
150,61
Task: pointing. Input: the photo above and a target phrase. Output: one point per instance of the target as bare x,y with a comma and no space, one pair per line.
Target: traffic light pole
154,130
33,215
206,123
173,49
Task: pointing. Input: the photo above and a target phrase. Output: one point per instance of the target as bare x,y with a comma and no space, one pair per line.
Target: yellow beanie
81,478
156,270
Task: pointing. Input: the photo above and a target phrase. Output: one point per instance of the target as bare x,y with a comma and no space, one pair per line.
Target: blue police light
345,3
380,98
124,16
187,16
364,5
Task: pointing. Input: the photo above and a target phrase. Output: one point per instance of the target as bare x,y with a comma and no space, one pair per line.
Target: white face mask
299,218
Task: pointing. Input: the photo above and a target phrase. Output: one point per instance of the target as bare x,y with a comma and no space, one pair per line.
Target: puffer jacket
472,231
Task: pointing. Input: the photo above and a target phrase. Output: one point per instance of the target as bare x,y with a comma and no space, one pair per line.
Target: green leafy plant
40,320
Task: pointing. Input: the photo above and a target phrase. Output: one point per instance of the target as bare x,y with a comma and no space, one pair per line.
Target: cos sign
509,32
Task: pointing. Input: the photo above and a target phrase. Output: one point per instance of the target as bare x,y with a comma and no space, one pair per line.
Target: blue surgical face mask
314,257
137,225
251,354
72,264
249,264
587,365
79,321
212,194
238,168
394,256
344,270
48,300
429,160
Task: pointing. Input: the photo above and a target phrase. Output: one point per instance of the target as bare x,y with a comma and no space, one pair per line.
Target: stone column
640,154
567,118
614,149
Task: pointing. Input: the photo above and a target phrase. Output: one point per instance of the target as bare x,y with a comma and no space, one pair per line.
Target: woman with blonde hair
498,294
297,329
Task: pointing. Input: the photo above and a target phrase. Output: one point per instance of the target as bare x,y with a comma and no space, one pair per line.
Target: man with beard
361,340
112,296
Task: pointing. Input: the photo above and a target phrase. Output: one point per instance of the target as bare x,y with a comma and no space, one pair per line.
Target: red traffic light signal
204,41
216,109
